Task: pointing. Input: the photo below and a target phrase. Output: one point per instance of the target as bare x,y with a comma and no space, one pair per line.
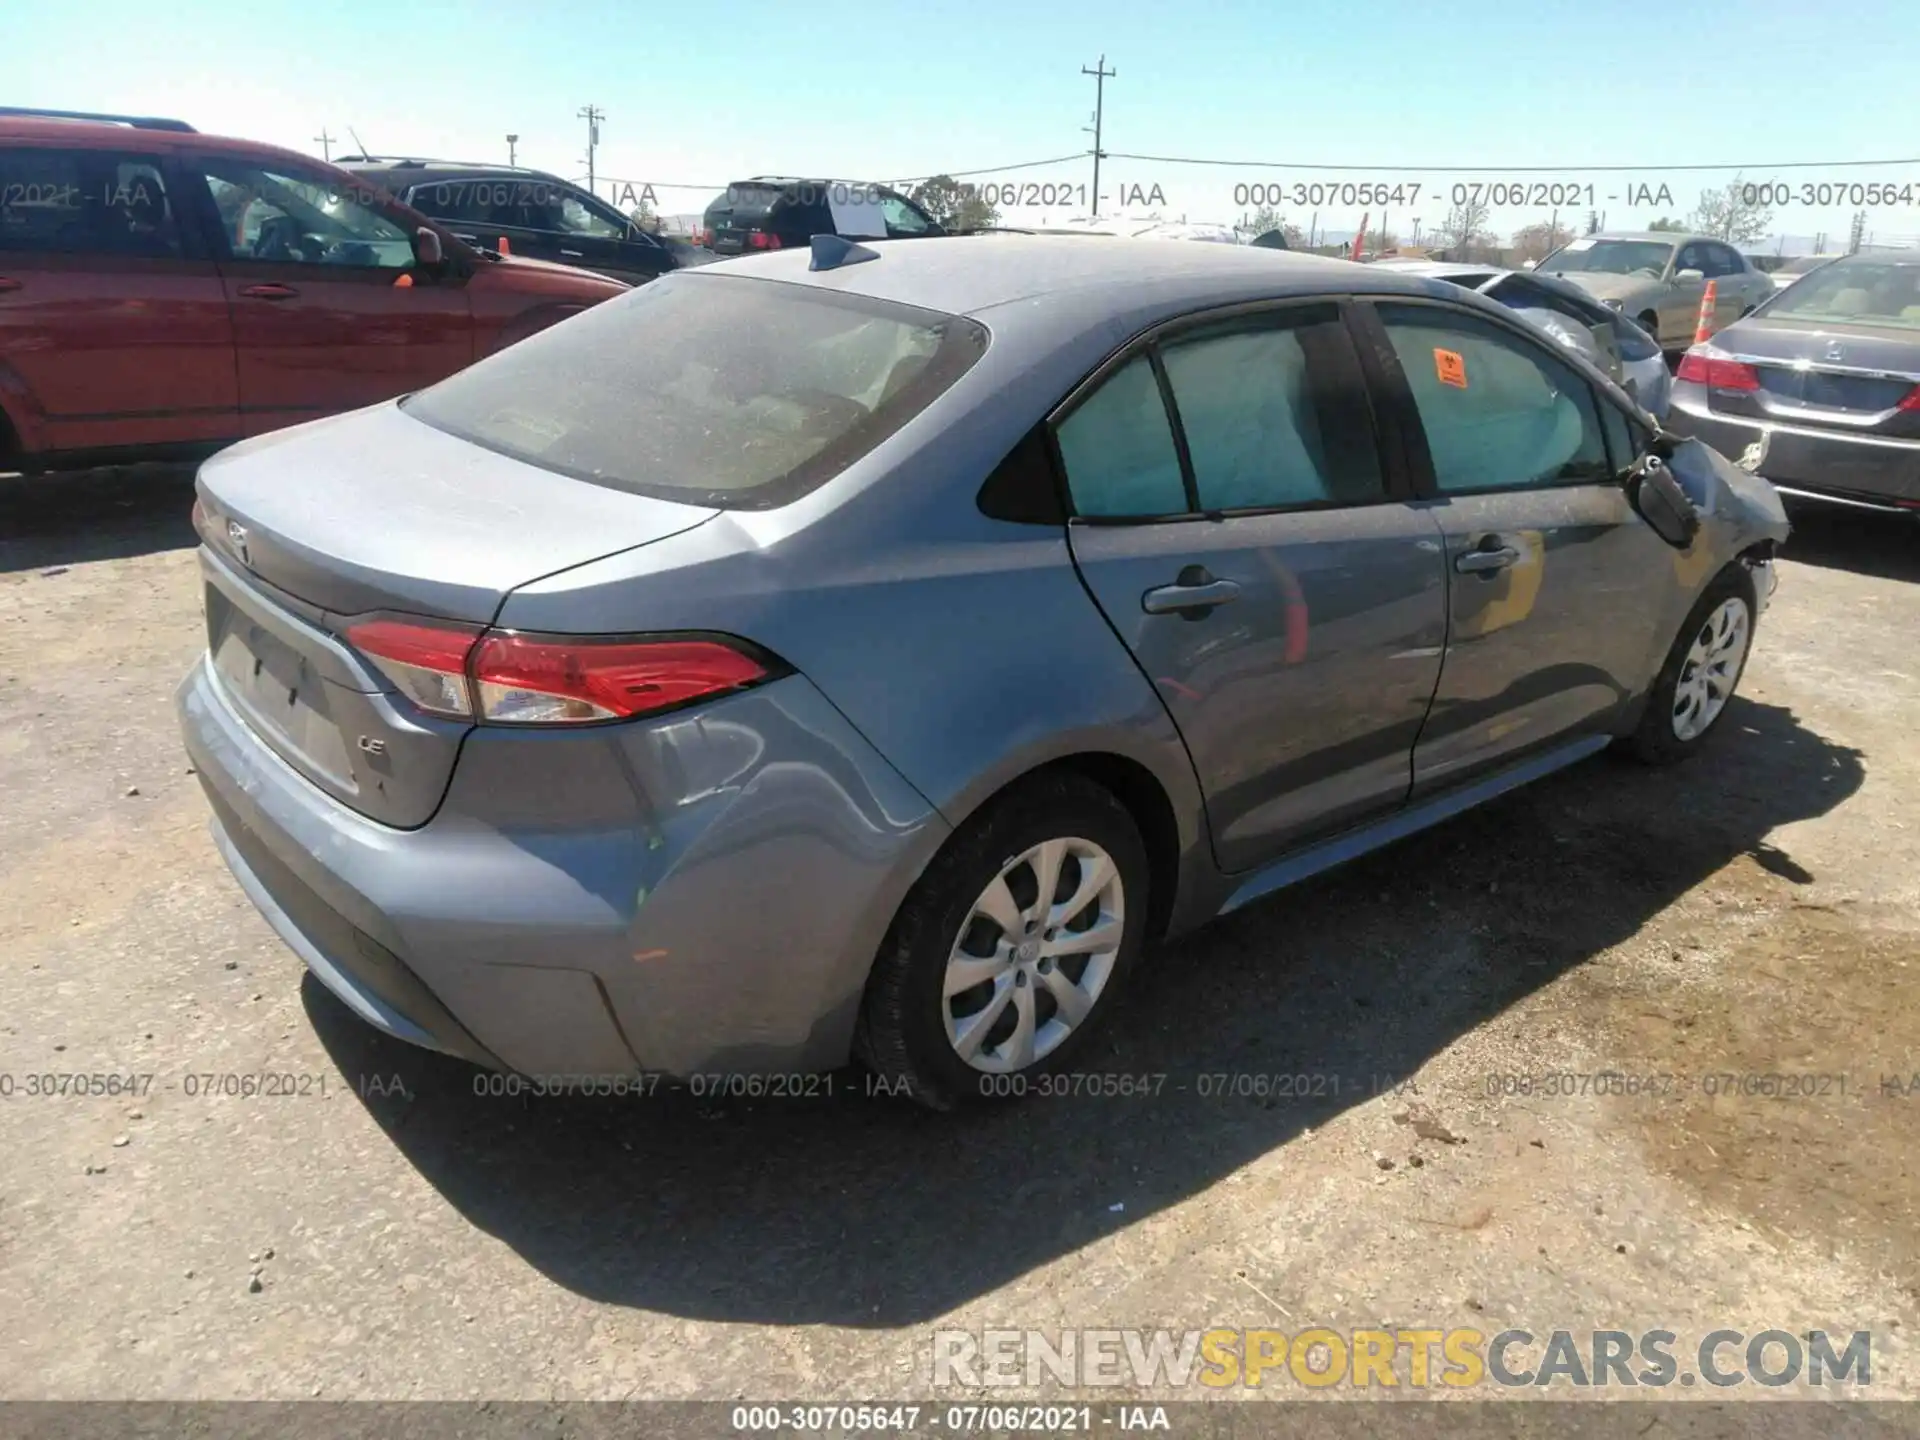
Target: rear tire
1690,695
1038,988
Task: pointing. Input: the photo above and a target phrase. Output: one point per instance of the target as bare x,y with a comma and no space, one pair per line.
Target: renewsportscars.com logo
1456,1358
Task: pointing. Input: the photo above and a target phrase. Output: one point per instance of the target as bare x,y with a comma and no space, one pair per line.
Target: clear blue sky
711,91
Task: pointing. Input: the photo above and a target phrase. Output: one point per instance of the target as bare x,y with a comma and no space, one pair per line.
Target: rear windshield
712,390
1863,291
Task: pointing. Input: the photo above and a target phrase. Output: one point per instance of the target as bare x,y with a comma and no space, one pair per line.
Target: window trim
1395,488
1400,399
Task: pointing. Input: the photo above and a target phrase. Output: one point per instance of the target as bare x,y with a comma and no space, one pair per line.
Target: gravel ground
385,1232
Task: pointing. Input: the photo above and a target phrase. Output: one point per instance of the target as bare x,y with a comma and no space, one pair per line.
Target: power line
1484,168
908,180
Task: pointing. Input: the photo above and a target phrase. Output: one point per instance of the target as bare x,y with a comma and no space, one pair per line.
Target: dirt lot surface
384,1232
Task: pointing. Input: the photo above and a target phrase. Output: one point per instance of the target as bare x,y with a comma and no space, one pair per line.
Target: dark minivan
771,212
540,216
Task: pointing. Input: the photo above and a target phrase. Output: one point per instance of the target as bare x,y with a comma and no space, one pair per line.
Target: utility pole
1100,76
325,142
1858,232
512,140
593,115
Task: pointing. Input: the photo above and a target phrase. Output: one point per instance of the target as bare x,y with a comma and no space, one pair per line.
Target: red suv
164,292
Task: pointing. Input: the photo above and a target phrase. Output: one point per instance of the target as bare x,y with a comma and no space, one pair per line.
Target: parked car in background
774,212
539,216
1623,351
826,652
1819,389
1658,278
165,292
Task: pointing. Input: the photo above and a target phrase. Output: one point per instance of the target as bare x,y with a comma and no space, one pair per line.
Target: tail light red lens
510,679
1911,401
1717,372
428,663
762,240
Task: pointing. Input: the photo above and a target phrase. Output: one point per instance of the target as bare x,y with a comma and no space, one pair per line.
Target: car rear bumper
699,894
1822,464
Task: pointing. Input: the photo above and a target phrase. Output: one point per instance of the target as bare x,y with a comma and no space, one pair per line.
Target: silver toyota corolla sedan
868,651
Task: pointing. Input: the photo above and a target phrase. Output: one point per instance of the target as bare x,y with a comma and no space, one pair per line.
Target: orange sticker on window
1451,367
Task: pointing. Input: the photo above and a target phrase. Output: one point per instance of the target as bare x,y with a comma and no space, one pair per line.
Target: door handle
8,283
1195,593
572,254
269,291
1486,562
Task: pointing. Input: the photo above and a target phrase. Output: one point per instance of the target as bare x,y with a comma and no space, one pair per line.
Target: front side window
902,218
1118,451
1499,413
86,202
293,219
579,218
1274,415
488,202
1691,257
708,390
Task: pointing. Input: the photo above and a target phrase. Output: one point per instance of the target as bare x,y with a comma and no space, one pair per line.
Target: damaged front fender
1741,515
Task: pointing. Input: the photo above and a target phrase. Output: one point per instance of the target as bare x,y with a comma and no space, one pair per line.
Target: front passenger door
329,310
1236,524
1555,584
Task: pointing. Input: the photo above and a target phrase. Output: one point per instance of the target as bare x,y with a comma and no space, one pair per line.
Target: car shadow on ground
862,1211
70,518
1867,542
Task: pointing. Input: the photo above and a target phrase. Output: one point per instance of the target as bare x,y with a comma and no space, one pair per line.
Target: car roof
364,164
91,135
1662,237
1440,269
965,275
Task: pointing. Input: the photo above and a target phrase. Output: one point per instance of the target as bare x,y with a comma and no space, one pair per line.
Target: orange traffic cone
506,249
1703,327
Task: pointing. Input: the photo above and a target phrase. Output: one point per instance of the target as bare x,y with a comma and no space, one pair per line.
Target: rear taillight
1704,367
505,678
525,679
1912,400
428,663
763,240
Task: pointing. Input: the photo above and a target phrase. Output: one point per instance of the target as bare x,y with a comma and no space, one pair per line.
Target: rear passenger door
1556,584
113,325
1235,523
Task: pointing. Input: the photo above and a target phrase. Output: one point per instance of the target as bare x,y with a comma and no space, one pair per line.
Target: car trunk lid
309,529
1851,376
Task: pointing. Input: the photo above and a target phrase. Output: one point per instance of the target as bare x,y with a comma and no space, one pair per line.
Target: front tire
1690,695
1008,952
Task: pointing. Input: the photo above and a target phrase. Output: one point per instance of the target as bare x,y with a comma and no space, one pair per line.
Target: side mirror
1689,274
1659,500
427,251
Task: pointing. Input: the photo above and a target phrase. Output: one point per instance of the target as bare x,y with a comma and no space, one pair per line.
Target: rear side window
710,390
1275,414
86,202
1499,412
1118,450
